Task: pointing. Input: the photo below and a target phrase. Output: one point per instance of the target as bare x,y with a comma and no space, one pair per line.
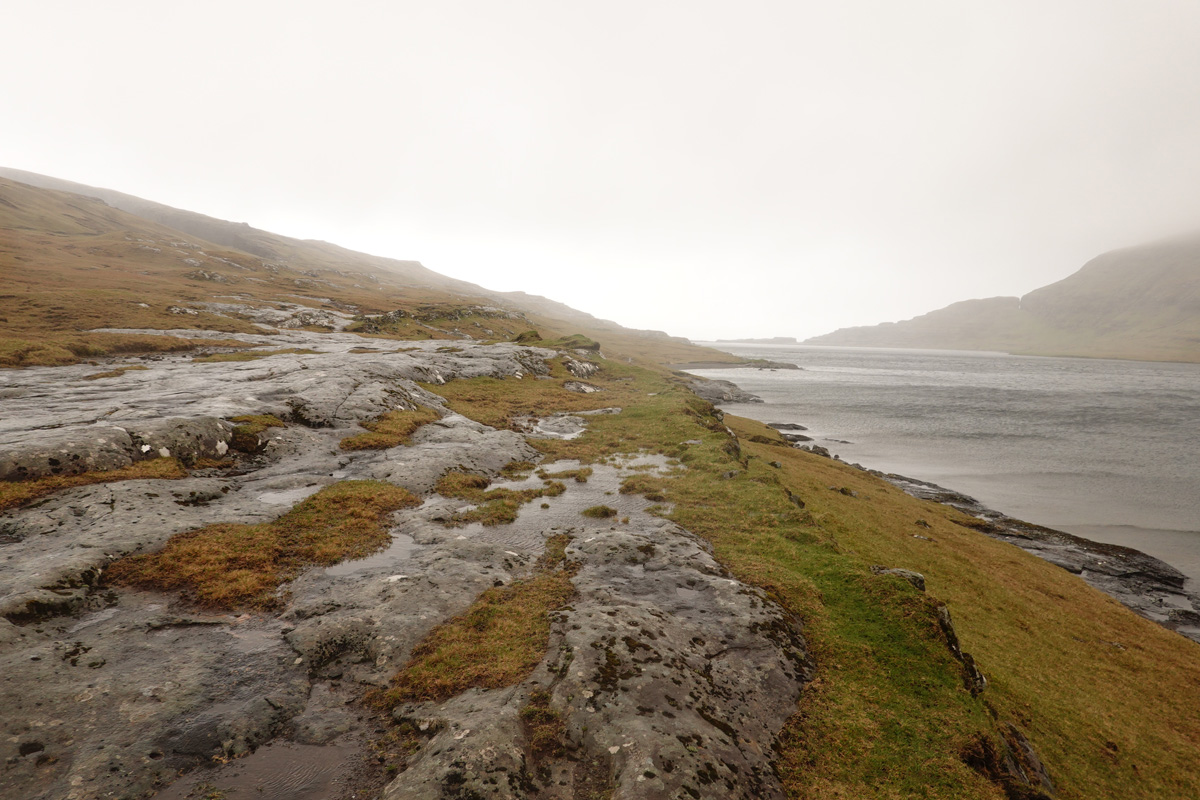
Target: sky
715,170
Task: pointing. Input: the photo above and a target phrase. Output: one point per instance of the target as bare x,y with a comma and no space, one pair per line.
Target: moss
545,730
242,566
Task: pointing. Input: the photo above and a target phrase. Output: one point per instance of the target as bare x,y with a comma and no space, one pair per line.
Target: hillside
292,527
1138,303
76,258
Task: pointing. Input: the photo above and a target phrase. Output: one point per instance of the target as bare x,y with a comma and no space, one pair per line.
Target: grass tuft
390,430
231,566
599,512
252,355
17,493
246,437
579,475
496,643
113,373
495,507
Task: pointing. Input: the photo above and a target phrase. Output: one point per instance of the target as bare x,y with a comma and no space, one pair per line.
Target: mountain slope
75,258
1139,303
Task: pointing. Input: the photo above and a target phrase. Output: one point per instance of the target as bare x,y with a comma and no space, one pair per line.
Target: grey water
1108,450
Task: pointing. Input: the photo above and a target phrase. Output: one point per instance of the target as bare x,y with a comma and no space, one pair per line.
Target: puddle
402,547
289,497
535,522
282,771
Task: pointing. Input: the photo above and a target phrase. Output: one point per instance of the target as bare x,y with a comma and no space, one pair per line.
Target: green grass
888,715
229,566
390,429
14,494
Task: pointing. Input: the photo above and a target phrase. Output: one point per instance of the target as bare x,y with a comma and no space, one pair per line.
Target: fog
764,169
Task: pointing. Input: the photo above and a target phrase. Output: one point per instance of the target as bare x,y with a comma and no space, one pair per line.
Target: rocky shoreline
1147,585
1144,584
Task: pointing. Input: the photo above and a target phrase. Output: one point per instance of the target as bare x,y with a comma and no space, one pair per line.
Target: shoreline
1148,586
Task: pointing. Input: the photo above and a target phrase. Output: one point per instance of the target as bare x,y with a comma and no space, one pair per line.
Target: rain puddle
401,548
288,497
282,771
563,512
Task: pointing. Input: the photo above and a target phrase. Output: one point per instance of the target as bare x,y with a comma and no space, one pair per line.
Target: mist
782,169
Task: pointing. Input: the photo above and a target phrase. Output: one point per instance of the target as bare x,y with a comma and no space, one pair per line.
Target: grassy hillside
71,263
1139,303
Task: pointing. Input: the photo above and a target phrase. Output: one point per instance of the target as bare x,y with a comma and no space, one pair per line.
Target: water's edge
1146,585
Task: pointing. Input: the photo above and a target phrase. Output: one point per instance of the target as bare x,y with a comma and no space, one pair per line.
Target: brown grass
496,643
495,507
114,373
231,566
246,434
17,493
252,355
599,512
390,430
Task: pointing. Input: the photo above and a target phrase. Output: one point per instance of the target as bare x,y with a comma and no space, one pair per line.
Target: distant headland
772,340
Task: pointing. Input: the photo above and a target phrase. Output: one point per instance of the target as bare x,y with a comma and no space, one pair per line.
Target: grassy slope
1107,698
69,264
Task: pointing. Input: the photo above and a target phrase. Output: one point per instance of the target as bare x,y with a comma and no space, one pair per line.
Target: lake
1108,450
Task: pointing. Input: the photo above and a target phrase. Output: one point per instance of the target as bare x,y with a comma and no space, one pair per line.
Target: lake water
1109,450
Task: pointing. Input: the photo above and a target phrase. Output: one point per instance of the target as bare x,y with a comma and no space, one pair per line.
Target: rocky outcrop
668,675
717,392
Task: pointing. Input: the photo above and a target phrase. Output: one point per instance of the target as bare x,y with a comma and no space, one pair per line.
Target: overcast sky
711,169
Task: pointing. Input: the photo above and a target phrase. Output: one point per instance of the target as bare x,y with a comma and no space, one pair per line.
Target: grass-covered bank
1106,698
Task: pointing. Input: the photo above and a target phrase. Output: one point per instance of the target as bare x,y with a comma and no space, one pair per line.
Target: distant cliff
1139,303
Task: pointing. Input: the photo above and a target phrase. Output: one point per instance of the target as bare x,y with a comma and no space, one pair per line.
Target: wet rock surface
1148,586
717,392
671,678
